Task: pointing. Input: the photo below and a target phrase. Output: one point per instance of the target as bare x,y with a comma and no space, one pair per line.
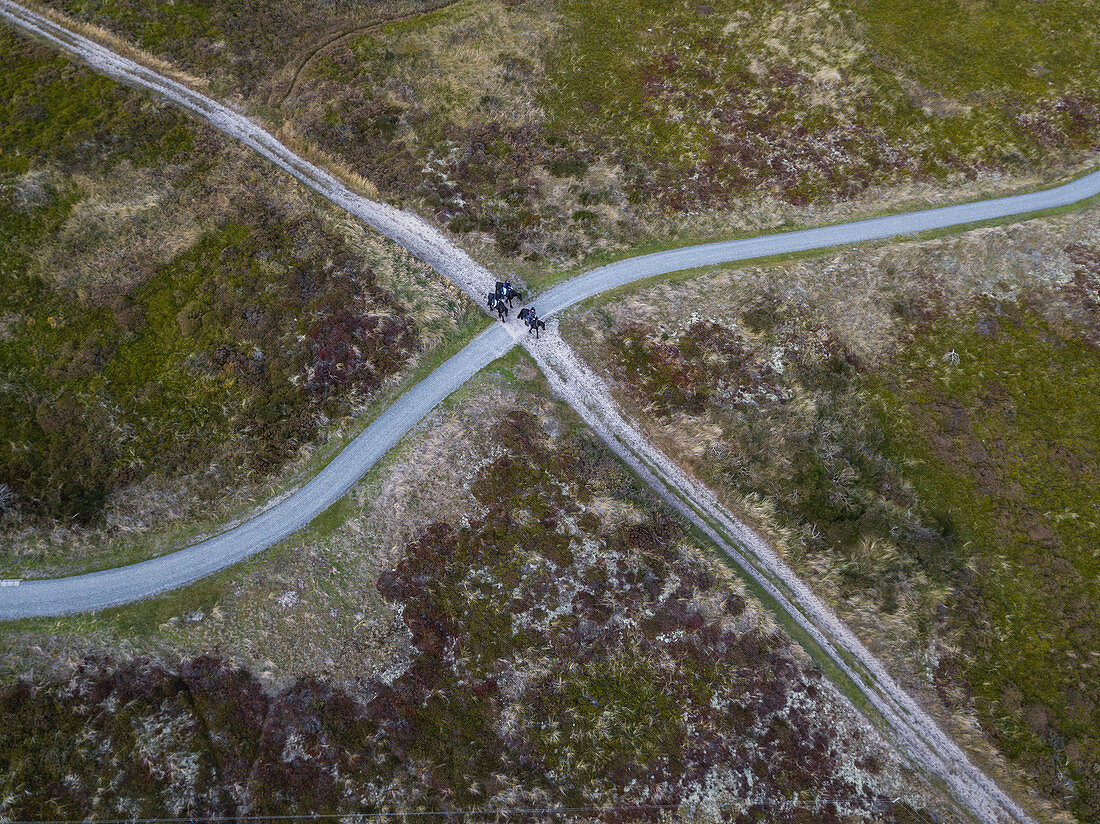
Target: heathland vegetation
915,428
527,627
173,316
551,130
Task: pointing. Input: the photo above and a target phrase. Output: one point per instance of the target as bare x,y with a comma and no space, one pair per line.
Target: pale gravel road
121,585
916,731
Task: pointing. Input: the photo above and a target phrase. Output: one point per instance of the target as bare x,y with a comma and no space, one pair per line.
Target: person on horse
507,292
494,300
531,318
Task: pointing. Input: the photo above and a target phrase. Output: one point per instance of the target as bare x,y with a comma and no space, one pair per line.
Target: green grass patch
1005,446
1007,49
756,95
456,12
54,110
212,345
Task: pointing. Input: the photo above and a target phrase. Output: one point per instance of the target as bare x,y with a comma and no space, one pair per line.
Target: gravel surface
915,731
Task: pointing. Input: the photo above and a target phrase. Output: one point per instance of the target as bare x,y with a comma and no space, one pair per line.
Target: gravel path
423,240
633,269
121,585
915,731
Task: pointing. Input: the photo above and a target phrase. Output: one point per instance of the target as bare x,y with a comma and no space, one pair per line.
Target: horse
495,301
508,293
529,317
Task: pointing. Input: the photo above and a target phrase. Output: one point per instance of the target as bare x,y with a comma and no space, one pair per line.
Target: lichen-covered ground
914,427
543,634
178,323
555,131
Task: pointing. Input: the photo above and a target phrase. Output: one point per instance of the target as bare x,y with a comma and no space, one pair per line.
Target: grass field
914,428
155,329
819,100
174,319
549,133
1003,448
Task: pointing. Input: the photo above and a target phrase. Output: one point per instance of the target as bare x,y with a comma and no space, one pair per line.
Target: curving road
595,281
121,585
914,731
112,587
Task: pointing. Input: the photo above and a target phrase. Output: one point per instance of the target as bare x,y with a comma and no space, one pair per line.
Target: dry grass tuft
126,224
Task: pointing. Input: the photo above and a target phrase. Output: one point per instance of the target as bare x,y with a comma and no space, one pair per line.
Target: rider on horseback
531,318
495,301
505,291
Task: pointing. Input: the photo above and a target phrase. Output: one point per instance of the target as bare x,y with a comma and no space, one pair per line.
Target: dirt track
918,735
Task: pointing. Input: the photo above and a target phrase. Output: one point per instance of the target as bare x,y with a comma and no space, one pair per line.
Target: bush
569,167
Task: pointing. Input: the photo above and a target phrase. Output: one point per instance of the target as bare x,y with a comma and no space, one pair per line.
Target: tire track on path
919,736
344,36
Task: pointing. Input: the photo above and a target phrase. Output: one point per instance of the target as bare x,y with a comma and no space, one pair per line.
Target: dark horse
506,291
495,301
529,317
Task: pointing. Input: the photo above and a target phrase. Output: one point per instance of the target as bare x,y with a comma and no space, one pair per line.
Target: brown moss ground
913,426
558,642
